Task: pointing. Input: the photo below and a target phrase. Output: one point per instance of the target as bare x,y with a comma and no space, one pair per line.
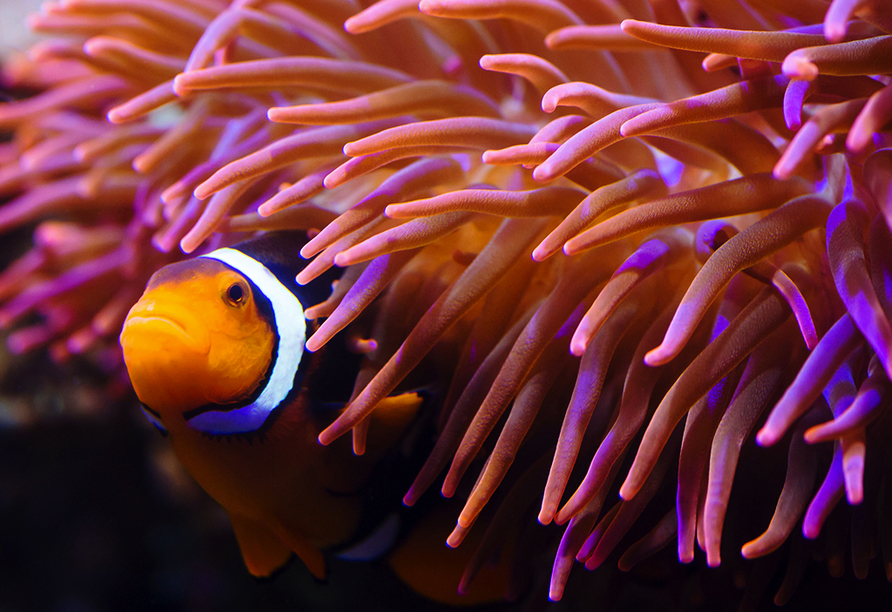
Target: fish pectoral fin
391,418
303,548
262,551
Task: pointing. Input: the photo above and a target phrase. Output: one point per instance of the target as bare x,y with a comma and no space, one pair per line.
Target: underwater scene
503,305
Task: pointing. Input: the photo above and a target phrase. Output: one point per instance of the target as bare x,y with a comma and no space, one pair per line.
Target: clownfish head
217,341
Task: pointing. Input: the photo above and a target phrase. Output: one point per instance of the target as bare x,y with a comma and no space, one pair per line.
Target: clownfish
215,350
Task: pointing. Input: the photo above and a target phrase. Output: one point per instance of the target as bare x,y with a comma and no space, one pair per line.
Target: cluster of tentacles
659,212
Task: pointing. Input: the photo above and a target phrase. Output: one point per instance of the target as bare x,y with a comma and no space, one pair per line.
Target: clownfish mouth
162,328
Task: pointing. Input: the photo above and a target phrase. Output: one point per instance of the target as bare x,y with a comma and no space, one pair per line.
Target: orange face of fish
196,337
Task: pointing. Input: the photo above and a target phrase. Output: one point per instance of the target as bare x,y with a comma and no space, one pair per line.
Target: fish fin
377,544
262,551
391,418
435,571
303,548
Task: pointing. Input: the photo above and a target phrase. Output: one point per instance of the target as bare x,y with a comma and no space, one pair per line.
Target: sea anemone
659,232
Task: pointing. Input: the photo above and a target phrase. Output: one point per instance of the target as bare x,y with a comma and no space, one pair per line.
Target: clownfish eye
236,294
